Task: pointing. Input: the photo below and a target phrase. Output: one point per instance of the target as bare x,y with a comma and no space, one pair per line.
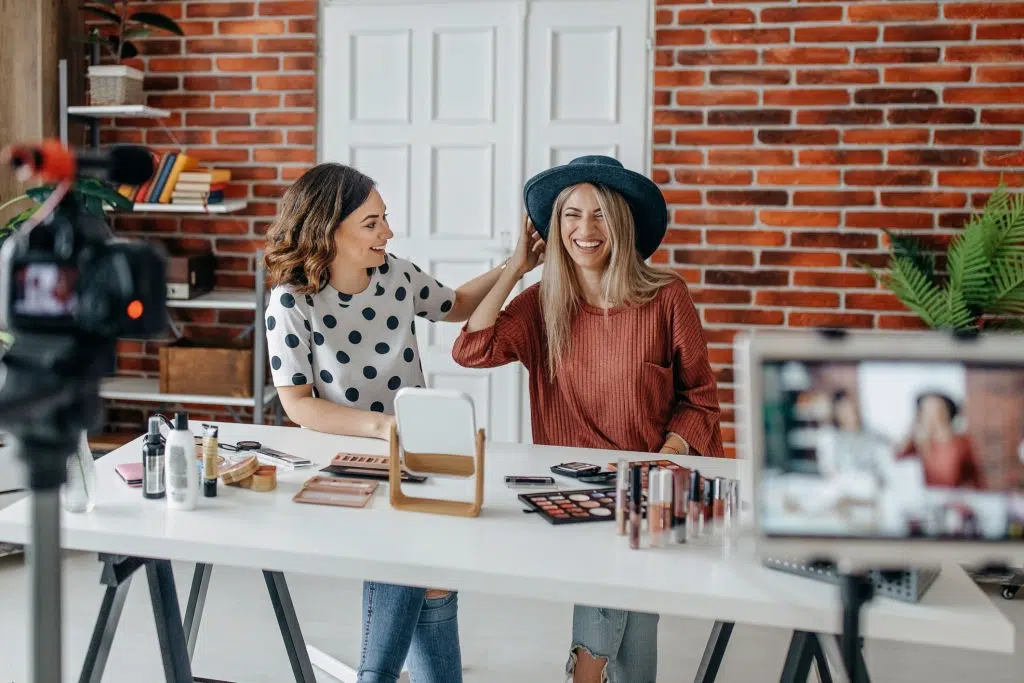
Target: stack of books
200,186
179,179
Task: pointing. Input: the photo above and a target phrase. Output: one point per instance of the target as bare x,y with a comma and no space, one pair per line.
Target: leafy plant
91,193
984,283
126,27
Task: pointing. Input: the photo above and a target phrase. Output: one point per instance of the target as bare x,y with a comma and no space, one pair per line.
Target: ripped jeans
628,640
400,621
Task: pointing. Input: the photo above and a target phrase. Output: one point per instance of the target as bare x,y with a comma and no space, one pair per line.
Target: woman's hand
529,252
675,445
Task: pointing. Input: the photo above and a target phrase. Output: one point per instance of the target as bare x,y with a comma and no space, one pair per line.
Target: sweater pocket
656,392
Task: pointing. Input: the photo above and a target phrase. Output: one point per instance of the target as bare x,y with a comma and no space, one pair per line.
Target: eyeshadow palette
570,507
366,467
336,491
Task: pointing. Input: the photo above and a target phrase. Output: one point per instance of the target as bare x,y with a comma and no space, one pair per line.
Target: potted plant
115,84
983,286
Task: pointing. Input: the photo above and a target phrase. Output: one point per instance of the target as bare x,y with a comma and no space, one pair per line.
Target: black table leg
103,632
196,603
714,652
169,630
799,658
291,632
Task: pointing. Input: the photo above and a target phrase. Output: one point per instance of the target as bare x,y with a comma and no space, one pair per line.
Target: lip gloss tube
666,507
654,516
621,494
635,499
695,516
680,502
718,485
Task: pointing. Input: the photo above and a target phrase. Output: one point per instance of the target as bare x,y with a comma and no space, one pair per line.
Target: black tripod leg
799,658
281,599
714,652
820,661
103,633
196,603
169,630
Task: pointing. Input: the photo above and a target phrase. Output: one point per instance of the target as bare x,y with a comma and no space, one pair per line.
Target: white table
504,551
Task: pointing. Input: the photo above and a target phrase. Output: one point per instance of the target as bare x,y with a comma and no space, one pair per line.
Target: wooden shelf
224,207
226,300
145,389
134,111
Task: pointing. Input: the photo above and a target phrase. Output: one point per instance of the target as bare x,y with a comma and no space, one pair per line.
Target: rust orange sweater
629,378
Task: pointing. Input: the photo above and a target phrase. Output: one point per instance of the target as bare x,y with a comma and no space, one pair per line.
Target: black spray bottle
153,484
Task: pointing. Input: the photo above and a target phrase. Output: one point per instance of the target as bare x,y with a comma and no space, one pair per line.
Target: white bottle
182,477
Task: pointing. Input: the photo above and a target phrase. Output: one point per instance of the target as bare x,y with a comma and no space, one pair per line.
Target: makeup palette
366,467
571,507
336,491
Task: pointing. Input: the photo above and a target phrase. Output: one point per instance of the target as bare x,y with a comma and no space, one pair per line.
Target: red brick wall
787,135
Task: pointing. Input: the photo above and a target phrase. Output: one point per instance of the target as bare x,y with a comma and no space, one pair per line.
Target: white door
450,106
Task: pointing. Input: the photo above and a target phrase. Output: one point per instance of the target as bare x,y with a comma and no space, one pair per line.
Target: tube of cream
621,494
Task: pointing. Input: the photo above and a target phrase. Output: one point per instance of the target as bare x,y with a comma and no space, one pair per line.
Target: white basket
115,84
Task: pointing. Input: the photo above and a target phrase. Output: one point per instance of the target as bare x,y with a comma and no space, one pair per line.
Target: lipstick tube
695,515
666,507
635,499
718,487
654,515
680,502
621,495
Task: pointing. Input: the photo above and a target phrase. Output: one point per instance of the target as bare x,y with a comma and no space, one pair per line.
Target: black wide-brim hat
650,213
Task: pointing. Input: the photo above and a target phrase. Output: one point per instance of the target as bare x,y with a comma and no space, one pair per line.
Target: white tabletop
503,551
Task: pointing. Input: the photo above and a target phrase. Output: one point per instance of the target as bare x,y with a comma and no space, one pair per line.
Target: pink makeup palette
572,507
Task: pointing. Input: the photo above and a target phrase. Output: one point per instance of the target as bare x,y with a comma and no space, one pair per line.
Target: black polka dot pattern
287,300
352,394
271,323
382,348
355,337
344,298
392,322
330,321
369,313
408,355
275,362
446,306
326,376
377,407
305,323
383,270
318,339
369,372
298,378
309,300
400,293
394,383
379,291
425,293
292,341
342,357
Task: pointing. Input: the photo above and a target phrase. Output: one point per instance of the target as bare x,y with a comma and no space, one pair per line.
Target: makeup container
153,485
182,474
695,515
654,516
718,487
210,461
621,495
666,507
680,503
635,500
709,507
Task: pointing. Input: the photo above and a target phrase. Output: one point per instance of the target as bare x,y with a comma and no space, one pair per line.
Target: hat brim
647,204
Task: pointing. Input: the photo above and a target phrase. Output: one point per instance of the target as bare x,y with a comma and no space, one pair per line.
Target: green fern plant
984,284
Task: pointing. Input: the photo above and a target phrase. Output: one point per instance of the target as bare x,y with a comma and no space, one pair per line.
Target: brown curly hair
300,243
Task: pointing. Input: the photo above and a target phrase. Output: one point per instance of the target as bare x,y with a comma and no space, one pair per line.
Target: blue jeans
628,640
400,621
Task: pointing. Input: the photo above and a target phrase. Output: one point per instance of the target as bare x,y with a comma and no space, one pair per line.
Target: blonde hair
627,279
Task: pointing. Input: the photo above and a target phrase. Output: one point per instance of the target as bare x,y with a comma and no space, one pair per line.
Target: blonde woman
615,351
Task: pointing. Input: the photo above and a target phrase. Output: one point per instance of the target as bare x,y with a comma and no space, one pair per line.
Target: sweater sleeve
514,336
697,415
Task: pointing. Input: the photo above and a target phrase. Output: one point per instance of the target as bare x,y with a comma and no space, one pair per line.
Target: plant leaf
906,246
136,33
105,13
917,291
1005,324
969,262
157,21
958,315
104,194
1008,297
40,193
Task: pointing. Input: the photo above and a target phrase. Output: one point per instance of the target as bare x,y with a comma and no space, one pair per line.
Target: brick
677,236
920,200
299,63
797,299
933,157
175,138
834,240
714,16
840,117
676,156
752,238
806,55
977,136
663,58
287,45
746,278
247,101
666,37
289,8
248,64
292,172
266,27
932,115
984,10
199,83
837,76
798,177
713,177
805,259
1004,157
716,98
749,77
886,136
215,227
218,45
901,322
750,36
831,320
980,179
747,197
301,137
301,26
663,17
1002,116
1005,95
753,156
798,137
218,119
794,15
927,34
887,177
196,28
834,198
953,220
214,155
297,100
675,117
677,196
721,296
800,219
715,57
117,136
179,64
749,117
833,280
889,220
179,101
713,257
151,47
290,82
221,9
999,31
714,137
895,55
666,78
249,137
1000,74
803,96
985,53
285,118
836,34
927,74
741,316
873,260
896,96
713,217
891,11
253,173
161,83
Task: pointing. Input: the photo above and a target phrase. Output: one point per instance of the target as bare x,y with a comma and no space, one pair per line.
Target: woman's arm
323,416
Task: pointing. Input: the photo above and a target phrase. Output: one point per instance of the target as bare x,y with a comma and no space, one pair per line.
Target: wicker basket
115,85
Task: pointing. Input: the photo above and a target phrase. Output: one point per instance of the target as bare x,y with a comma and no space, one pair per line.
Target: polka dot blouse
356,350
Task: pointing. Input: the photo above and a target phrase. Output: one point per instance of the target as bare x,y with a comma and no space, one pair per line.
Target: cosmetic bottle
182,474
695,516
621,495
636,492
654,517
210,461
680,502
718,485
153,485
708,517
666,507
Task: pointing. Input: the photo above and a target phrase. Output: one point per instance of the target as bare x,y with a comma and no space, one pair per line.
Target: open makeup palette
570,507
353,493
366,467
